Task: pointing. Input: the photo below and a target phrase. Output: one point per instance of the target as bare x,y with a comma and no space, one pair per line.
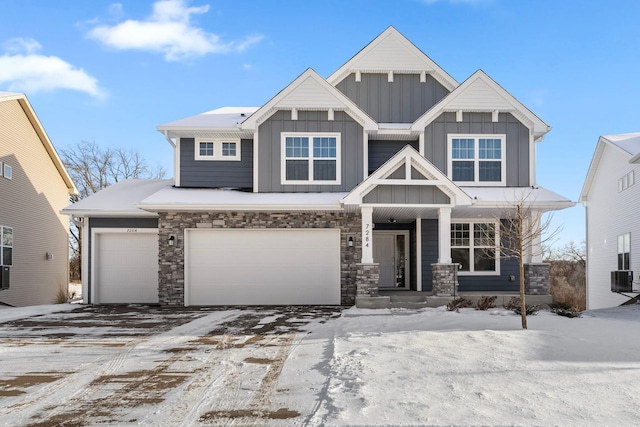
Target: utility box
4,277
622,281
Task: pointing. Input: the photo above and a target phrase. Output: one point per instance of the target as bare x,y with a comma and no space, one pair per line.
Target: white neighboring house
611,196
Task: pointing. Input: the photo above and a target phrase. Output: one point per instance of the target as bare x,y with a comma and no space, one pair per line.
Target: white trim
102,230
407,252
256,163
459,116
421,143
84,274
423,77
176,163
294,114
419,254
390,77
476,160
310,158
498,258
5,168
218,144
330,115
365,155
367,235
2,245
1,174
444,235
532,160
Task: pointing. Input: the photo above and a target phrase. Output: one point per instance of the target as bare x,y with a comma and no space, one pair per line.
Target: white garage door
126,267
262,267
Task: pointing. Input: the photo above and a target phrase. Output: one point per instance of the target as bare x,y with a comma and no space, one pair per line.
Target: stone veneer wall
536,279
444,279
171,258
367,278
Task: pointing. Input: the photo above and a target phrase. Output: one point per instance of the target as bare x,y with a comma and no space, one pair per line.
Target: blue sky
110,72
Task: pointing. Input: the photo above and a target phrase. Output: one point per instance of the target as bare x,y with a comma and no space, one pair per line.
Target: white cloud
22,69
168,30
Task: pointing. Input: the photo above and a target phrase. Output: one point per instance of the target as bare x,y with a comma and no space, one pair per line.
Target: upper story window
624,251
6,171
6,246
626,181
217,149
477,159
474,247
310,158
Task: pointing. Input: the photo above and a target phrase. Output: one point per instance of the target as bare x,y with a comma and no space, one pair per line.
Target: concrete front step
419,300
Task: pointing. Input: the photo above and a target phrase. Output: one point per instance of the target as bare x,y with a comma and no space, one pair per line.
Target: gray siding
517,154
269,147
113,223
401,101
215,174
407,194
501,283
381,151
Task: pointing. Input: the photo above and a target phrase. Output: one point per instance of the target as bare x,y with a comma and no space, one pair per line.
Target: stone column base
445,281
536,279
367,276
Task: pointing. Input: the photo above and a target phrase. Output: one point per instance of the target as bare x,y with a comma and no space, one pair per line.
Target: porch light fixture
172,240
350,242
392,220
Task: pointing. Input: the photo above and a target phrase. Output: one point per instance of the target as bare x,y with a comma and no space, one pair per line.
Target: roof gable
309,92
42,135
480,93
417,170
392,52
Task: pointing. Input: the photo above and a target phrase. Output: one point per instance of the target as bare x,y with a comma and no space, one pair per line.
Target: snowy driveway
151,366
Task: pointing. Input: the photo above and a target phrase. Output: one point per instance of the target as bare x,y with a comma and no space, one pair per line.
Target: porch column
535,251
367,235
444,235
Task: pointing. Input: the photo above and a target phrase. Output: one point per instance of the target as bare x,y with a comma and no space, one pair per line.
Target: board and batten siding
270,156
216,173
517,145
401,101
381,151
31,204
407,194
609,214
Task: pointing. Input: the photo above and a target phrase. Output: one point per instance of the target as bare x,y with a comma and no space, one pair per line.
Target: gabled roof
410,158
626,143
44,138
221,120
391,51
309,92
480,93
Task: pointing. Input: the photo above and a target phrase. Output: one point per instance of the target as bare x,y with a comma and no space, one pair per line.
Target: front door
391,252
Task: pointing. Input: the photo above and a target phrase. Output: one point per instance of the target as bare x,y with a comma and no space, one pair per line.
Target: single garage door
262,267
126,267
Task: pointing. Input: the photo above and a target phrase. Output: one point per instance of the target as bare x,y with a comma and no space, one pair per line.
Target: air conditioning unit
622,281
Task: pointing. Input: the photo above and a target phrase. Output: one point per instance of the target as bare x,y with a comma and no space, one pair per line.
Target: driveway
151,366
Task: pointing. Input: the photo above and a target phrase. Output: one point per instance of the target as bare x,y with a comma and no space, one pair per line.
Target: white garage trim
96,234
232,266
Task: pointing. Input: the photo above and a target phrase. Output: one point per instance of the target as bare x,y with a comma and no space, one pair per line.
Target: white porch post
535,251
367,235
418,254
444,235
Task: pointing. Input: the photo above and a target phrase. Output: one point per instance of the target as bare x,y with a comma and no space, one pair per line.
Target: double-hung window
310,158
624,251
477,159
474,247
217,149
6,246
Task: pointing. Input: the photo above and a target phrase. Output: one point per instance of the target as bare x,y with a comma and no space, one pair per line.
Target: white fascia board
593,166
334,99
538,126
243,208
109,214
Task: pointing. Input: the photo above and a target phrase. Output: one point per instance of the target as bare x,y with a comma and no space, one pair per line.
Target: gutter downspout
176,158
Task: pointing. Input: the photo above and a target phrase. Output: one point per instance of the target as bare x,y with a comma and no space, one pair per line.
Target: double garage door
262,266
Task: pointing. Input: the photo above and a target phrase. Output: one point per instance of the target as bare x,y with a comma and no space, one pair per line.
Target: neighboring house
386,175
611,196
34,187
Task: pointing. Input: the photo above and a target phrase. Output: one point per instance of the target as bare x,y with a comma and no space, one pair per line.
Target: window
217,149
311,158
477,160
626,181
624,251
6,246
8,171
474,246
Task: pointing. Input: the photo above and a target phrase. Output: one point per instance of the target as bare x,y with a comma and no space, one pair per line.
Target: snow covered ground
362,367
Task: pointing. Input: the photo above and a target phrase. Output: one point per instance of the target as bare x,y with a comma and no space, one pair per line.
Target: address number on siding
132,230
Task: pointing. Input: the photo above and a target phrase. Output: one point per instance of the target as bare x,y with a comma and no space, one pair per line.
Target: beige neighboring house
34,187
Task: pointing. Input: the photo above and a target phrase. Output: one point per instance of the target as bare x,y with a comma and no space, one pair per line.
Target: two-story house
388,174
611,198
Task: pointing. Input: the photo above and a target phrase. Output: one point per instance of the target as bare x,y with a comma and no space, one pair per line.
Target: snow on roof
118,199
492,196
170,198
225,117
629,142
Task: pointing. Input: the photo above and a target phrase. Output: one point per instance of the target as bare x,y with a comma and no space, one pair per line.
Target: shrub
515,305
566,310
62,296
458,303
485,303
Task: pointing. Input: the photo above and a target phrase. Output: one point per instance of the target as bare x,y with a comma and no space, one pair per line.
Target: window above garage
217,149
310,158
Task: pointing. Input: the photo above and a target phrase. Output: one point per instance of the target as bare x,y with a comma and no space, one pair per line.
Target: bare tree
523,235
567,274
93,168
